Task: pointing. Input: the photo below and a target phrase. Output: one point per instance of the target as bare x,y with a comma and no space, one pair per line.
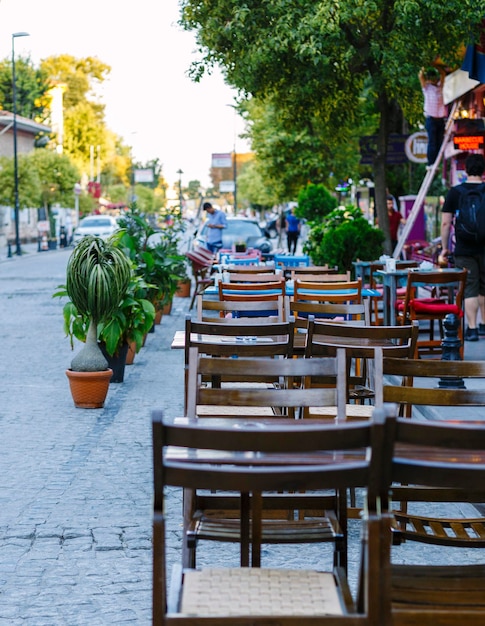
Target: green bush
315,202
344,237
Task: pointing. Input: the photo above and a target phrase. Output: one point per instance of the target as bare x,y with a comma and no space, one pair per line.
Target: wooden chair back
360,343
428,383
320,277
240,277
433,462
313,269
228,340
336,292
284,385
341,460
252,291
242,311
330,312
251,269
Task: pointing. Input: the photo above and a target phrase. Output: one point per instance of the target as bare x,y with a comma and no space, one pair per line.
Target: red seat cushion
433,306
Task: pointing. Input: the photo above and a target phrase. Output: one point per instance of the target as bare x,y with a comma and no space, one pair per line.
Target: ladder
425,185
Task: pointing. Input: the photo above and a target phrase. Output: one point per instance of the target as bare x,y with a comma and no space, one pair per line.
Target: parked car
240,229
100,225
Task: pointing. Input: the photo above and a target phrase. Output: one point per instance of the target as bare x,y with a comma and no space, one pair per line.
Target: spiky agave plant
97,277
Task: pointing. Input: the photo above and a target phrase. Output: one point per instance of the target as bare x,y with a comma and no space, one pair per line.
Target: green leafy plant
344,237
154,254
97,277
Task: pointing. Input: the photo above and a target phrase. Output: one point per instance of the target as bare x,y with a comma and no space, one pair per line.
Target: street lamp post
18,249
234,160
181,197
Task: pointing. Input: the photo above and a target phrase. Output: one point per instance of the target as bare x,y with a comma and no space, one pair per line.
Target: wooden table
178,341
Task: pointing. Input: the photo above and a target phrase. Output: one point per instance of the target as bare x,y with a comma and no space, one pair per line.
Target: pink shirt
433,101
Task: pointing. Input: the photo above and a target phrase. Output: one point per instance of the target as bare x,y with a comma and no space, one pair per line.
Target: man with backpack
466,204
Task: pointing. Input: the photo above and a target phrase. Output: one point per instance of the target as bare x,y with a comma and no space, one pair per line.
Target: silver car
99,225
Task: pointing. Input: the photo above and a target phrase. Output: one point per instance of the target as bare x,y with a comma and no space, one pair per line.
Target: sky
150,100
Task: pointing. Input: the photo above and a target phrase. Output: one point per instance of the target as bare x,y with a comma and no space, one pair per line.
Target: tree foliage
32,85
315,56
315,202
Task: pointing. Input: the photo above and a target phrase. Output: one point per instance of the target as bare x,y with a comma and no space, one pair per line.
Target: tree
31,89
315,202
313,55
28,182
57,176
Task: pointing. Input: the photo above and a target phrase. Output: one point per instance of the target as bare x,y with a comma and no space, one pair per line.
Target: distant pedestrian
395,220
216,222
435,111
293,227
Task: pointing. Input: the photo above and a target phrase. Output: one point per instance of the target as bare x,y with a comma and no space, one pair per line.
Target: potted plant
97,277
128,325
155,255
240,246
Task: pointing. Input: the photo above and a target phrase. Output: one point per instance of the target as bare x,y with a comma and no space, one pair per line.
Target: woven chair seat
255,591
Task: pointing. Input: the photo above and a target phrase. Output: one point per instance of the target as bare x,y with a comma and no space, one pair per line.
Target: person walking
216,222
469,250
435,111
293,227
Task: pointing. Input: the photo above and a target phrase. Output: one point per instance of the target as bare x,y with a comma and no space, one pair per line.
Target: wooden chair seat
235,592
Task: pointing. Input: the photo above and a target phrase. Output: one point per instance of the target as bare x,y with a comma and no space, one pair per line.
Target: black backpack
470,216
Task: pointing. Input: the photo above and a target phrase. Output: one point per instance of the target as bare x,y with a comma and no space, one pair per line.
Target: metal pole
181,197
18,249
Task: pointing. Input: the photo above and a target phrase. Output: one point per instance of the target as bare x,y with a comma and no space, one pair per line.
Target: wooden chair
375,283
435,308
246,596
360,343
313,269
329,312
266,340
444,463
289,384
428,384
252,291
201,261
241,311
255,386
349,292
286,261
320,277
251,277
251,269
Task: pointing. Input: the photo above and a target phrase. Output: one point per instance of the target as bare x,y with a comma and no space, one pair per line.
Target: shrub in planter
345,236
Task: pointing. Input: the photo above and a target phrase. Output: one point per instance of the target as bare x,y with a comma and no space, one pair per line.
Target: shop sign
468,142
416,147
395,149
222,159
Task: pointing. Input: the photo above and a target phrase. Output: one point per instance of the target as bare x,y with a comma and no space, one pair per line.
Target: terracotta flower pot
158,316
183,288
89,389
130,355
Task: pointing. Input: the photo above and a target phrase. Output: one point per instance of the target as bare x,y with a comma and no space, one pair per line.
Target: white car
100,225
